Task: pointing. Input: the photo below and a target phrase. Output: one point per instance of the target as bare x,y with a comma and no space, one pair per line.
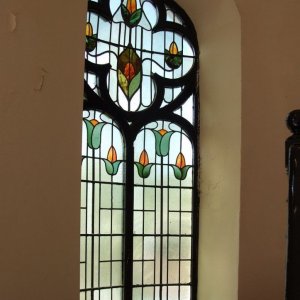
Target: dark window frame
131,122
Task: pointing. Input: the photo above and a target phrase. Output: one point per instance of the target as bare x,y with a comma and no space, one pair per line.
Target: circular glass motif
136,52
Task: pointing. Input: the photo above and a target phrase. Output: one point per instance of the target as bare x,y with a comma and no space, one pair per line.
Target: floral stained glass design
139,195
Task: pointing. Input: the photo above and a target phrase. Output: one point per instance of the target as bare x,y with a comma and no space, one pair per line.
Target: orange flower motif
129,71
162,132
131,6
173,48
112,154
144,158
88,29
180,161
94,122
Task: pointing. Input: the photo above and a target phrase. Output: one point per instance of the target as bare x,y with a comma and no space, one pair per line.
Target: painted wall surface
41,67
219,28
270,89
41,70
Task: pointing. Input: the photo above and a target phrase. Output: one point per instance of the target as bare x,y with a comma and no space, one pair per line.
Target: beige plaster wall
40,104
271,88
219,28
41,66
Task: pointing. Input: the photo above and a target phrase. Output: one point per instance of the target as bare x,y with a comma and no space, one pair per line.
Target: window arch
139,202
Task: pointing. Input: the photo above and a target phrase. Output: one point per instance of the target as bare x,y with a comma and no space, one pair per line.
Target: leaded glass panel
139,200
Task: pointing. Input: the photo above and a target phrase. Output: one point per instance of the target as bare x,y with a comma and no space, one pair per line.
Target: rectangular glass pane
105,274
186,248
137,273
116,273
105,249
173,272
117,247
148,275
185,272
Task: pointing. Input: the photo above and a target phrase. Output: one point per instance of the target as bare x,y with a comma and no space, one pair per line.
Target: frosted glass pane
105,249
186,223
96,259
96,295
83,221
105,221
157,261
138,199
138,223
118,196
187,198
83,194
137,294
89,262
117,248
117,222
185,272
82,296
105,196
173,272
185,293
82,276
105,294
174,226
173,292
149,198
186,248
96,211
116,273
148,272
174,199
149,222
105,273
174,247
137,248
117,294
164,261
137,273
88,296
148,293
149,250
82,248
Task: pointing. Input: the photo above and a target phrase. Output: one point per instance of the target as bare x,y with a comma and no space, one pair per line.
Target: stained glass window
139,182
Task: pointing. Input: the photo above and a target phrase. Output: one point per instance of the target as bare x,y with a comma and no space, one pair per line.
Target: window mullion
128,218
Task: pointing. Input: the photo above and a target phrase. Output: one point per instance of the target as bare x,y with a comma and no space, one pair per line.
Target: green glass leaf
123,82
173,61
135,17
147,170
116,166
140,169
143,171
125,12
165,143
158,138
112,168
90,128
109,167
96,136
177,172
134,85
184,172
91,43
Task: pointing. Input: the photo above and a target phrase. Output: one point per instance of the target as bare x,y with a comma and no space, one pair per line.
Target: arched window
139,202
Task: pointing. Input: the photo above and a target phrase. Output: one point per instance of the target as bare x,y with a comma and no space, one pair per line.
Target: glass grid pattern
139,195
